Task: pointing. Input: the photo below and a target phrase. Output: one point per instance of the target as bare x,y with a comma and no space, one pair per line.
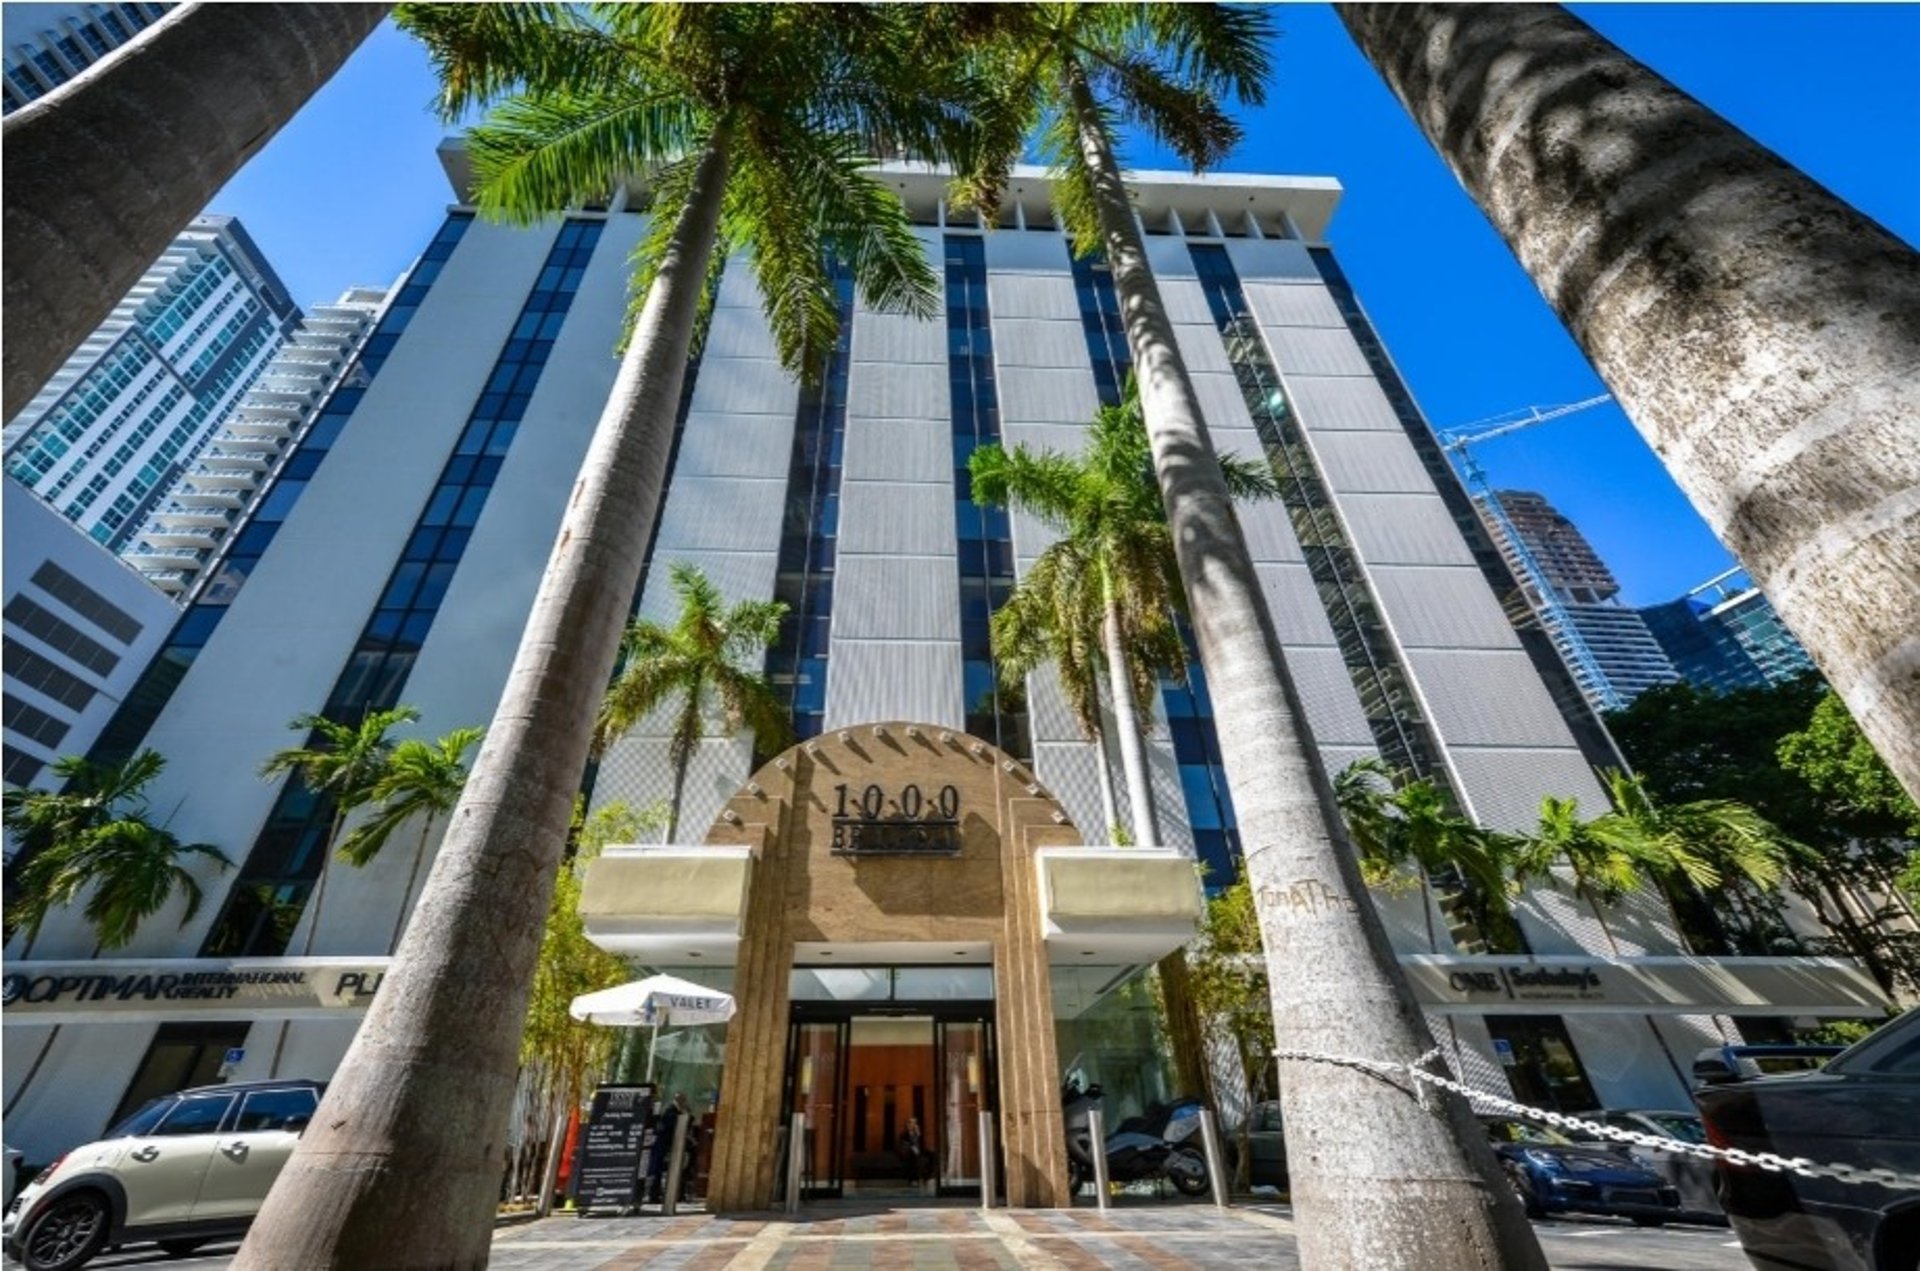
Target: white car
187,1168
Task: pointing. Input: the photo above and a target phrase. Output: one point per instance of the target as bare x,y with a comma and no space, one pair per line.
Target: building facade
1574,596
80,627
922,883
1724,634
49,44
223,482
104,442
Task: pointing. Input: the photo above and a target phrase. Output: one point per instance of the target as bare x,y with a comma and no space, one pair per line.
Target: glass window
197,1114
141,1122
276,1110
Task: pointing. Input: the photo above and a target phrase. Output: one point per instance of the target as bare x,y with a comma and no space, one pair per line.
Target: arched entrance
894,899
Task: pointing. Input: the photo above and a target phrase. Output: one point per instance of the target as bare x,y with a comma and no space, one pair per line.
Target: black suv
1862,1110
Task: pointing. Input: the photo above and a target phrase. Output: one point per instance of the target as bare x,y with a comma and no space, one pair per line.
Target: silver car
186,1169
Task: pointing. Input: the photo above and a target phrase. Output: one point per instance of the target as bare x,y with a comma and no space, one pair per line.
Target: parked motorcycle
1138,1149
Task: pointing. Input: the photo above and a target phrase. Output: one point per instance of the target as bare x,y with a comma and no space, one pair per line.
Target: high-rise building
48,44
223,482
108,436
1724,634
80,627
928,869
1575,598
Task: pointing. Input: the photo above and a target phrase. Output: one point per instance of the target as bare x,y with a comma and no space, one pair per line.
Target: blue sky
350,191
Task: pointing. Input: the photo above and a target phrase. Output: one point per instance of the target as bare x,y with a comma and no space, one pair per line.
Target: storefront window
1109,1031
1541,1062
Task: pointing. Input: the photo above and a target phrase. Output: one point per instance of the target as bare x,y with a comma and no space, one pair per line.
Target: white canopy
656,1000
651,1002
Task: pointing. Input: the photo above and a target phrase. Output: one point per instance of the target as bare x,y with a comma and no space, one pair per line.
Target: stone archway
892,832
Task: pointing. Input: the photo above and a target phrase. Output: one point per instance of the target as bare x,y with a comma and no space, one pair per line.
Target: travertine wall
801,891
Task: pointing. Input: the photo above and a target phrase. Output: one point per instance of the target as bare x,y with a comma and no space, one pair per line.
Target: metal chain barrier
1483,1101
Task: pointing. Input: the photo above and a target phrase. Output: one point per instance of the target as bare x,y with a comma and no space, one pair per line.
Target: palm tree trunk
399,1167
413,874
1421,1188
1126,728
1108,810
1762,335
101,173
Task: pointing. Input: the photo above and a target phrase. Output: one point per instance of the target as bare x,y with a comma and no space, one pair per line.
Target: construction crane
1554,618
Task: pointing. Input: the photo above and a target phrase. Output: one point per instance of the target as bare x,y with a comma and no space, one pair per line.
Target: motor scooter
1133,1154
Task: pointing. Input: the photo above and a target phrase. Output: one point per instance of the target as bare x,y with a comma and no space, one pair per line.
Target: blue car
1554,1175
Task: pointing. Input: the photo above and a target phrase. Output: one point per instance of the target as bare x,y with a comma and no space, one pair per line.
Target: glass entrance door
816,1075
892,1093
963,1055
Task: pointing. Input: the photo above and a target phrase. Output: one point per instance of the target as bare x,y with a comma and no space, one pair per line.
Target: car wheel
1188,1170
1649,1222
67,1233
1524,1190
179,1248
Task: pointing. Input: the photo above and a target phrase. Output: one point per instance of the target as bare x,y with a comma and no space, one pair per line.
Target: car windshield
1679,1126
143,1121
1523,1132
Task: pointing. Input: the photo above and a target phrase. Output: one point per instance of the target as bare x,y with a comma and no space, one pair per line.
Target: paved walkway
850,1237
947,1238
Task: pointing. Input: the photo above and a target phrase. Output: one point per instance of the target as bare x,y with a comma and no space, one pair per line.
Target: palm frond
483,52
535,156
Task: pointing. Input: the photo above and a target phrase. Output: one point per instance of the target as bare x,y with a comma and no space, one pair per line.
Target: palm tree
750,120
420,779
1763,336
1336,986
341,764
1106,590
1395,822
698,663
102,172
92,839
59,823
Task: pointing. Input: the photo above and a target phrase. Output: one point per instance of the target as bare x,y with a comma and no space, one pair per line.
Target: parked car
1718,1065
1554,1175
187,1168
1862,1109
1267,1146
1691,1176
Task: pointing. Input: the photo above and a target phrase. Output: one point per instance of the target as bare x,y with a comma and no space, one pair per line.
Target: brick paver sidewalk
1192,1238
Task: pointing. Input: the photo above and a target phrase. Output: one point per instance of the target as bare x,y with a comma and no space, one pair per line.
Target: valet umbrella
651,1002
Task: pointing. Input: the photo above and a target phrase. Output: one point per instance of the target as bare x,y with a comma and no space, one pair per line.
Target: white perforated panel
1268,532
1504,786
1291,304
1186,304
893,339
738,576
1055,342
1370,462
1284,259
1222,404
745,385
1404,529
1299,619
896,518
1442,606
1031,295
1316,351
1342,403
1027,251
874,392
1326,693
899,450
1038,395
725,513
735,446
870,680
898,597
1487,698
1201,349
